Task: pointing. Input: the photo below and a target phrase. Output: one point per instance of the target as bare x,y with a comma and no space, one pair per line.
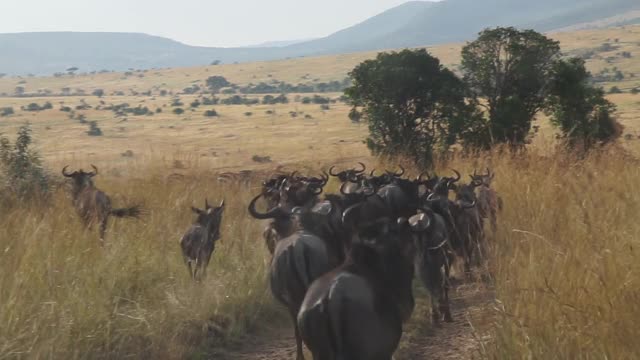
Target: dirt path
459,340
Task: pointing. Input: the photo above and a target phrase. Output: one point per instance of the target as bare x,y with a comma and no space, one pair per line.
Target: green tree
508,71
21,166
578,109
410,102
215,83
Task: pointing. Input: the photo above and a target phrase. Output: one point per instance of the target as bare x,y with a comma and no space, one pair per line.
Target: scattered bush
178,111
195,104
635,90
248,113
127,153
615,90
210,113
325,107
176,102
94,129
65,109
6,111
36,107
21,167
98,92
272,100
261,159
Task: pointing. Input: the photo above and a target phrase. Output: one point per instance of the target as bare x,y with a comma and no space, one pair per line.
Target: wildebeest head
465,194
210,217
347,175
81,179
444,184
483,179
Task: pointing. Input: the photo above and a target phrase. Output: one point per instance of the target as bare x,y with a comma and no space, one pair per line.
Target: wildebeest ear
419,222
196,210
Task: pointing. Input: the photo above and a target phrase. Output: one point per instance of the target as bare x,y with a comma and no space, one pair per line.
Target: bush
21,167
98,92
195,104
94,130
176,102
635,90
65,109
36,107
615,90
210,113
178,111
6,111
248,113
325,107
210,101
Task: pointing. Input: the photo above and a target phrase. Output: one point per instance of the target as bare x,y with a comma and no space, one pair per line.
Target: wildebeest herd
343,264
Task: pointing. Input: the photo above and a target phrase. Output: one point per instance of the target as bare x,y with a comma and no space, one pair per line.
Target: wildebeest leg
294,317
103,229
191,274
444,301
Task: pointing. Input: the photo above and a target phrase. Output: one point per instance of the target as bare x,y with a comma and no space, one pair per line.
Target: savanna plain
564,266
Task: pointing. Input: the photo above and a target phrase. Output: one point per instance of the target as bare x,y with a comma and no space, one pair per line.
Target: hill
415,23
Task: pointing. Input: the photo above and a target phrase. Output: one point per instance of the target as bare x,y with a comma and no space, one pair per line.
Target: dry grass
63,296
565,264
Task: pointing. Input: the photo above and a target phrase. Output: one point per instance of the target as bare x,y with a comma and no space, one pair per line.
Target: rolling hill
415,23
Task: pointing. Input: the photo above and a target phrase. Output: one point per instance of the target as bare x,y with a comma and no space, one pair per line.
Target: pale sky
194,22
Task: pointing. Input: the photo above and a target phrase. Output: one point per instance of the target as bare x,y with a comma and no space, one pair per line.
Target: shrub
635,90
178,111
36,107
176,102
21,167
615,90
210,113
195,104
98,92
248,113
261,159
325,107
94,130
6,111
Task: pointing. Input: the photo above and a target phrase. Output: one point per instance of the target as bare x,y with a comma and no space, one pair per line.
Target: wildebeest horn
268,215
331,171
317,190
419,178
402,171
206,204
372,172
488,172
221,203
95,170
348,211
467,205
458,176
64,171
360,171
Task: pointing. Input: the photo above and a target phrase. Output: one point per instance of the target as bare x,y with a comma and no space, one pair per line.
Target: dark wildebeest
286,192
357,311
433,259
92,204
351,176
489,202
299,258
199,241
468,231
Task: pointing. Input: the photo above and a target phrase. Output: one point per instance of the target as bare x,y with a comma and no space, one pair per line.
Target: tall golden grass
564,261
63,296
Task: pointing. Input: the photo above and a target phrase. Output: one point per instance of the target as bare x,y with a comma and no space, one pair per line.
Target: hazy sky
195,22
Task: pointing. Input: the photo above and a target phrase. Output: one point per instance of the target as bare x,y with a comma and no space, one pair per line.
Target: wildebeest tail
132,212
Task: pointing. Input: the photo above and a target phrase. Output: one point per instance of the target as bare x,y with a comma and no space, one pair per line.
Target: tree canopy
411,103
508,71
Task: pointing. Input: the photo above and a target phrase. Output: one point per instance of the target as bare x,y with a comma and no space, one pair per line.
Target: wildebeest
199,241
93,205
357,310
433,259
350,176
489,202
468,231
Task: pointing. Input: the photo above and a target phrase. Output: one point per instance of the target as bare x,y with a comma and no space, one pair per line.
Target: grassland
565,260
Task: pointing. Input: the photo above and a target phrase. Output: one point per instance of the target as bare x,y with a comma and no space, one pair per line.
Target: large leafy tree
581,112
411,103
508,71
